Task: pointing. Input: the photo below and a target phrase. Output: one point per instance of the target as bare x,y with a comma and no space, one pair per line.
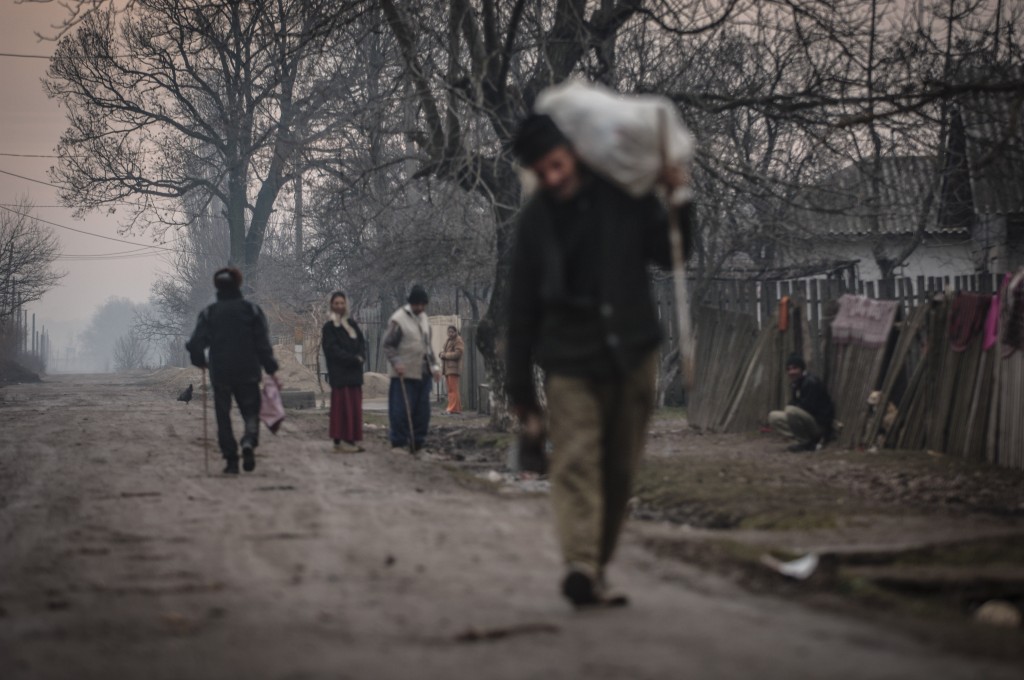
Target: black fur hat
418,295
228,278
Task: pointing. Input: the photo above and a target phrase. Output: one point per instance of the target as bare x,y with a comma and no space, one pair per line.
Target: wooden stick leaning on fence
676,245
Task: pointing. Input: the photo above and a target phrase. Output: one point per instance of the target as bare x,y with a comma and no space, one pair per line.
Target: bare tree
179,97
28,251
131,352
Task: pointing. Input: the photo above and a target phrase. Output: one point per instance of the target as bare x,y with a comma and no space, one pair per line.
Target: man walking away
238,337
411,364
581,307
808,417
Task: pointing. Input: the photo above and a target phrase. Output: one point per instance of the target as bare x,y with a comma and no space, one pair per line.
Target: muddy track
120,558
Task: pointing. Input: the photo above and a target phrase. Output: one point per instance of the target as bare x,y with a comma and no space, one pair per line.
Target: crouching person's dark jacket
238,336
809,393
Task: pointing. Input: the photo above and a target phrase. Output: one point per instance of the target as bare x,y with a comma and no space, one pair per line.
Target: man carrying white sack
581,308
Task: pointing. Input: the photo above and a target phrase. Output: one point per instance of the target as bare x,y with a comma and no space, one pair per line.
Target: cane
675,235
206,441
408,414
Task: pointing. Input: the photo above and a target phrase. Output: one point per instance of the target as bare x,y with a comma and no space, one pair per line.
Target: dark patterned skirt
347,413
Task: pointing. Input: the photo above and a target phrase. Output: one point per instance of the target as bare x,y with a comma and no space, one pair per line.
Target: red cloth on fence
967,318
992,324
347,413
863,321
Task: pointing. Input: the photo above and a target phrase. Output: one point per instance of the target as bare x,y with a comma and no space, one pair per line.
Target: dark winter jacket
344,354
809,393
238,336
580,299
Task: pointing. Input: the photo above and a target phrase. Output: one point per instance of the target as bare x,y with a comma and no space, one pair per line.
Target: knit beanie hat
537,135
796,360
227,278
418,296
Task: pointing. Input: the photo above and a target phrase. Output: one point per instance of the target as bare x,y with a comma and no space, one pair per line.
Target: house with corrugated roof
983,180
882,214
922,216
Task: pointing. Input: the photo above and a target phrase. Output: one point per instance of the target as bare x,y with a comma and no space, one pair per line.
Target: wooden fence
760,300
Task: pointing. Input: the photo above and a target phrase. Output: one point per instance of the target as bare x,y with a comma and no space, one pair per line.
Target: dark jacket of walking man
581,308
238,337
411,365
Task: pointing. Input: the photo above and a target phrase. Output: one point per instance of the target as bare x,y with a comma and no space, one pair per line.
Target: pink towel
863,321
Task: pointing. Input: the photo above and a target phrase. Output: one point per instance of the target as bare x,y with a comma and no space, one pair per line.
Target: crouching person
238,337
808,417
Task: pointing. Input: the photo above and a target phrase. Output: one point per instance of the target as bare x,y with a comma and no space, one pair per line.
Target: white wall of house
932,258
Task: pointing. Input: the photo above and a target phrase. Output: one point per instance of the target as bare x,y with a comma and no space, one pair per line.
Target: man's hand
437,376
277,381
400,370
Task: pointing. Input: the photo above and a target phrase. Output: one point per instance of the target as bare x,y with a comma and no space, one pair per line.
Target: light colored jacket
451,355
407,343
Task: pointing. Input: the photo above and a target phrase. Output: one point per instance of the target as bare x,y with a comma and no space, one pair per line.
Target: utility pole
298,217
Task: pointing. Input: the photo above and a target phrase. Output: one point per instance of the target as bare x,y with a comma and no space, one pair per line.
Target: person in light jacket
411,364
451,366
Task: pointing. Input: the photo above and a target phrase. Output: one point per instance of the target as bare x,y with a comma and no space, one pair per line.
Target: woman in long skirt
345,349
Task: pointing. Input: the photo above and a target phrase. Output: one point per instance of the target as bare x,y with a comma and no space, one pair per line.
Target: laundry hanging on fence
967,319
863,321
784,314
992,324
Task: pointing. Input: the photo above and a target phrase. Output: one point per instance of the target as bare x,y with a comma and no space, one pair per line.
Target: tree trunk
493,327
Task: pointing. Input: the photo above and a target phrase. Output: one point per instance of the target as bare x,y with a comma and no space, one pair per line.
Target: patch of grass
984,552
375,418
670,413
782,520
729,493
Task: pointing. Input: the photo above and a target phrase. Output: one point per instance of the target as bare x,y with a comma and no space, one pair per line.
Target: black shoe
798,448
580,589
248,458
231,466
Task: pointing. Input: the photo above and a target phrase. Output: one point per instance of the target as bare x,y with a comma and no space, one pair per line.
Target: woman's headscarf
339,320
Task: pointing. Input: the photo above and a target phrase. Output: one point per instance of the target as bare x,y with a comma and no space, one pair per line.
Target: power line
29,179
87,233
24,56
30,155
134,252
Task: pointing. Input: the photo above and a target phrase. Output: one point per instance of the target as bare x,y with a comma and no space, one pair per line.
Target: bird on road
186,394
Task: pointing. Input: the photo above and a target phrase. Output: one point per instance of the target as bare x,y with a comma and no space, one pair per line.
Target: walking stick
206,441
408,414
675,235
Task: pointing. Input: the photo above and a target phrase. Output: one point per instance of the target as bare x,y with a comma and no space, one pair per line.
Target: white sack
617,136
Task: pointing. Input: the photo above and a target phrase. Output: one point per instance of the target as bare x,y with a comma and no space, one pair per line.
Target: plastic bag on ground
271,406
619,136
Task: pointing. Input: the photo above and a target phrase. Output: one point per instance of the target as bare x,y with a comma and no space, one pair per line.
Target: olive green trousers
795,423
597,431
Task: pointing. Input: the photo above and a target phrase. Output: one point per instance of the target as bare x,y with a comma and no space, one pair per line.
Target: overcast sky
31,124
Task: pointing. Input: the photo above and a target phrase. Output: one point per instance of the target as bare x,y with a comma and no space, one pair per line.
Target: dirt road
119,558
